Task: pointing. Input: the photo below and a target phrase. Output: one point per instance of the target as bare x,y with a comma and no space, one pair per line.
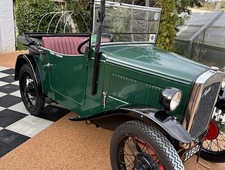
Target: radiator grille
203,114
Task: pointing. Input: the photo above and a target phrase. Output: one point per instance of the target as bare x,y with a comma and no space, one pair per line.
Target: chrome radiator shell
201,103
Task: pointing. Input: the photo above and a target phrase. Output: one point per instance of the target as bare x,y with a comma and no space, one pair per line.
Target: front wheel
29,91
136,145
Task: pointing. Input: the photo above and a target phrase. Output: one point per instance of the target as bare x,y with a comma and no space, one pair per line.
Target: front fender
163,121
220,104
168,123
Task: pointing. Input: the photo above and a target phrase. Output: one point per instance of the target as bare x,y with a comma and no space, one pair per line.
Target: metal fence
203,37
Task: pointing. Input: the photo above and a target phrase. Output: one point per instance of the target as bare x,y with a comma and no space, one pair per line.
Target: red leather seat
63,45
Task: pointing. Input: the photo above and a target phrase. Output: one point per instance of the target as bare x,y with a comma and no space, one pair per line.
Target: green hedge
30,12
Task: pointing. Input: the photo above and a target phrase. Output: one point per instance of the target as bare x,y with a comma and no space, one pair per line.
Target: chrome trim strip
204,80
114,98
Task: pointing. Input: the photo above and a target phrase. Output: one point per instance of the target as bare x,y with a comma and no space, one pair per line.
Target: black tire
214,150
137,145
29,91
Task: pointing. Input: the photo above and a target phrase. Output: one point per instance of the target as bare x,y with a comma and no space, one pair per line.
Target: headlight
223,83
170,98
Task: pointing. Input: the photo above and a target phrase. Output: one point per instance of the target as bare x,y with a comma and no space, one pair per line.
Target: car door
67,76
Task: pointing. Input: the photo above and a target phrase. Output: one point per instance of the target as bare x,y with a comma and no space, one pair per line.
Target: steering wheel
82,44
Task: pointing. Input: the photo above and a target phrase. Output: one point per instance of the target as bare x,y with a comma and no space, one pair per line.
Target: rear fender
161,119
28,59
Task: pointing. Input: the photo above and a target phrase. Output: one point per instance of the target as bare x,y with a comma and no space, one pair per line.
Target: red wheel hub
213,131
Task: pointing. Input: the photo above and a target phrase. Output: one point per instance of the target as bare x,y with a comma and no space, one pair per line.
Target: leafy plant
167,31
30,12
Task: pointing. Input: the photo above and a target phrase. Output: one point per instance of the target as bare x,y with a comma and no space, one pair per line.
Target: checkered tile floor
16,124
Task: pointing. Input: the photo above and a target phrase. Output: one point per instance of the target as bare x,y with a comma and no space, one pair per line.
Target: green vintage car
159,105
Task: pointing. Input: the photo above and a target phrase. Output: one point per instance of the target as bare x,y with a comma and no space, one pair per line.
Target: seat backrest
63,45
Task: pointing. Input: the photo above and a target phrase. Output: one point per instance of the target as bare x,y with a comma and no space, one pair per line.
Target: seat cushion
64,45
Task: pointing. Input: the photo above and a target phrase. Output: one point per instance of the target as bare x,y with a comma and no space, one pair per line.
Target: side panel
127,86
68,81
67,77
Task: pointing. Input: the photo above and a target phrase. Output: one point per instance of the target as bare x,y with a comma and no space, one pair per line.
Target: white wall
7,29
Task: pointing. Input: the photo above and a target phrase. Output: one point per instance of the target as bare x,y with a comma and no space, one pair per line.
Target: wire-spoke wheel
137,146
30,95
214,144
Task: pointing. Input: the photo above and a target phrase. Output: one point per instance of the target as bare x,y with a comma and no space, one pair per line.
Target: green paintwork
137,74
129,74
150,59
67,76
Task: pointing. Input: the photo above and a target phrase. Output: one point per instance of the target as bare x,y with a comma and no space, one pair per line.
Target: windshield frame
106,4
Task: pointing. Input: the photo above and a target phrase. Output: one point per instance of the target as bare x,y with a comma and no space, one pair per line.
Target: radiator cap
214,68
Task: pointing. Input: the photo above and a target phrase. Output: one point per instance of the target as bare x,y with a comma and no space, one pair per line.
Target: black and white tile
16,124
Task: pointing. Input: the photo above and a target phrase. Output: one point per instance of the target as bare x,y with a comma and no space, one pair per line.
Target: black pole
91,26
101,15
